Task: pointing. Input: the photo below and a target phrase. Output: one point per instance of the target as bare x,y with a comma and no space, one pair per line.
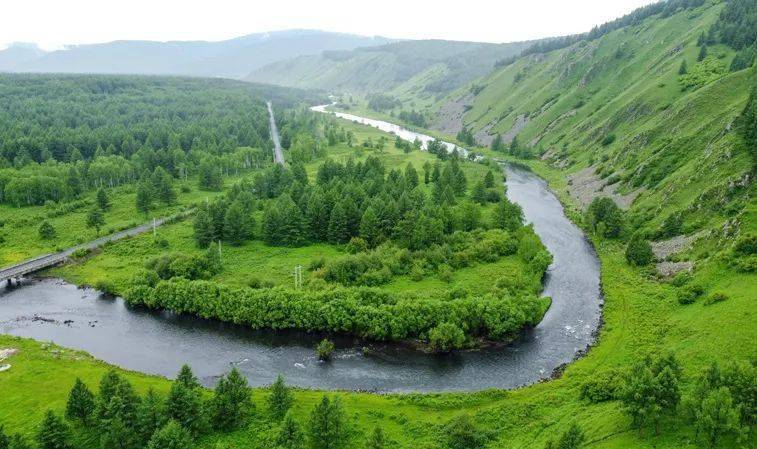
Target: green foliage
324,349
445,337
280,398
605,217
461,432
144,198
684,68
151,416
604,386
327,428
704,72
53,433
639,251
231,401
652,390
103,202
184,403
689,294
608,139
95,219
573,438
376,440
290,434
171,436
46,231
747,125
81,402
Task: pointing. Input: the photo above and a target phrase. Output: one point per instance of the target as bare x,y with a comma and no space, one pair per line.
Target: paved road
278,156
49,260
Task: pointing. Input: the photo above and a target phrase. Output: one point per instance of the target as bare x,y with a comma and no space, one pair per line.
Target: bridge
8,274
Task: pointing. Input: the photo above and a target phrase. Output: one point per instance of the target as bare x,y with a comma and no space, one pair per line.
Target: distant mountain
232,58
432,66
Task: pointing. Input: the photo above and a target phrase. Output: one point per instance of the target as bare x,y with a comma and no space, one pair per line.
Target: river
160,342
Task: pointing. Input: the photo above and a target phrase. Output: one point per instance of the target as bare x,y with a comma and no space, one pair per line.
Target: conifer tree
95,219
4,439
271,225
238,225
370,228
162,183
53,433
411,176
81,403
150,416
684,68
280,398
337,230
171,436
478,194
231,401
184,402
102,199
290,434
489,180
507,215
143,200
702,53
108,388
204,232
317,216
426,172
327,427
292,228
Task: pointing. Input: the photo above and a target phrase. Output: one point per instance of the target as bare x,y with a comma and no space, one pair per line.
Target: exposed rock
520,122
450,118
664,248
668,269
5,353
585,185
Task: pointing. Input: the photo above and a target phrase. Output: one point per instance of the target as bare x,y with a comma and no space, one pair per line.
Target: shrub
461,432
446,337
356,245
445,273
639,251
608,139
46,231
716,297
689,294
324,350
603,386
417,273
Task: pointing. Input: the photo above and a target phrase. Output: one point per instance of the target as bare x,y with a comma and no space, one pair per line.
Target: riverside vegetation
674,363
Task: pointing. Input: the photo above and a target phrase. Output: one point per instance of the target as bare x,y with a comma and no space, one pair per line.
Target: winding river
160,342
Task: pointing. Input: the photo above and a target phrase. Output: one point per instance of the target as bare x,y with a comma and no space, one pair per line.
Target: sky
55,23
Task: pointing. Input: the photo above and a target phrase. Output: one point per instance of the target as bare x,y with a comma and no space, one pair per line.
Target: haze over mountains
233,58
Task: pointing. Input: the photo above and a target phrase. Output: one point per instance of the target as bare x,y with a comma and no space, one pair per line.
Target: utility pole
219,250
298,277
154,230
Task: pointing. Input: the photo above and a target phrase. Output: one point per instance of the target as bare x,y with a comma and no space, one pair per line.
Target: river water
160,342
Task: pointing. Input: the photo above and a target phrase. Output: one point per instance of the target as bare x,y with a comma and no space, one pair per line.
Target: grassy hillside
424,69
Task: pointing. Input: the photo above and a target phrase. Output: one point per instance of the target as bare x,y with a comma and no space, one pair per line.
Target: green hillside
427,68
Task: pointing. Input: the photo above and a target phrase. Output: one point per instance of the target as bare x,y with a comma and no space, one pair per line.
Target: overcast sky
54,23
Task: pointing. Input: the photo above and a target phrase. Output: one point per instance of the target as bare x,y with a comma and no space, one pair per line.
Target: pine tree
53,433
81,403
280,399
479,193
102,199
4,439
290,434
171,436
507,215
117,434
271,225
327,428
497,144
204,232
436,173
292,227
162,183
108,388
150,416
426,172
489,180
370,227
231,401
317,216
337,230
683,69
639,251
46,231
376,440
184,402
411,176
702,53
95,219
299,174
237,225
143,200
18,441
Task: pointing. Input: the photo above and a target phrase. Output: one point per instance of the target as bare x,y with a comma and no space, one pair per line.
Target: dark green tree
573,438
144,197
95,219
370,227
702,53
462,433
376,440
489,179
151,416
684,68
204,232
171,436
338,231
605,217
18,441
184,402
81,403
290,434
231,401
639,251
46,231
652,391
411,176
102,199
280,398
327,429
426,172
238,224
478,194
497,144
53,433
162,183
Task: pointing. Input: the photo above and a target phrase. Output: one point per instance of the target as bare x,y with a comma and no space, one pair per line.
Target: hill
233,58
424,68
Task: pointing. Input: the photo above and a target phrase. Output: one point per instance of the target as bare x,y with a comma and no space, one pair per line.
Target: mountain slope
232,58
616,117
442,66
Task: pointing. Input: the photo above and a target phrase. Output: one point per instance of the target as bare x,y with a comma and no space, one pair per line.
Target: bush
356,245
689,294
46,231
461,432
603,386
608,139
446,337
324,350
716,297
445,273
639,251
